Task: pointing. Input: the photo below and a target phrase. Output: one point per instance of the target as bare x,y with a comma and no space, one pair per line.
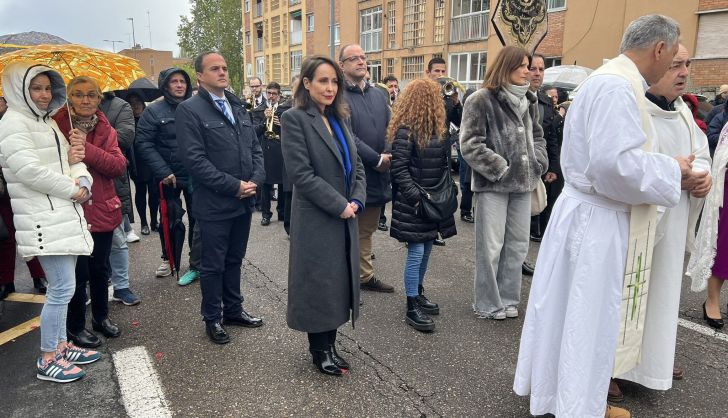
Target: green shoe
189,277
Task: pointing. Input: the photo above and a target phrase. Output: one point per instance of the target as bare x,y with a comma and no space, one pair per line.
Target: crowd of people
617,182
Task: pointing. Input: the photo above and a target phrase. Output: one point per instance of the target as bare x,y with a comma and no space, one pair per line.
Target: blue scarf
343,148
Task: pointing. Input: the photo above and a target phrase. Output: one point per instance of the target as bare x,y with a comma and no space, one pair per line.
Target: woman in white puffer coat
46,193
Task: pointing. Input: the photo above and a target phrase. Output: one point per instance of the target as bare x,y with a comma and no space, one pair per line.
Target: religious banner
522,23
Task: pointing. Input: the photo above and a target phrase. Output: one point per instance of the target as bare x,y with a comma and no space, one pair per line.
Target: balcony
469,27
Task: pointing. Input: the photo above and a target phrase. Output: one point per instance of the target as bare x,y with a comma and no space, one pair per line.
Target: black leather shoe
243,320
527,269
145,230
154,227
467,218
338,360
85,338
536,238
6,289
426,306
416,318
439,242
382,226
324,361
713,323
106,327
216,332
265,221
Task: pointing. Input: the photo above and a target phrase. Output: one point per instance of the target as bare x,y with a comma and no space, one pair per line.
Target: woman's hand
77,138
76,154
82,195
349,212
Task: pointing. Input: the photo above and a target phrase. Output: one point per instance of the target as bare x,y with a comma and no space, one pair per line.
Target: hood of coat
164,79
689,98
16,81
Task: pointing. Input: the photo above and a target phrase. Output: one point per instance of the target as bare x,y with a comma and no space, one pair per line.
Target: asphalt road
464,369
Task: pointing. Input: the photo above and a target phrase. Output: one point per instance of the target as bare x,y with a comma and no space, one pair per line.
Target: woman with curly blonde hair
419,160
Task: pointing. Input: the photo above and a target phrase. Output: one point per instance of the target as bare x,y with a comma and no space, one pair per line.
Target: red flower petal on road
135,323
158,356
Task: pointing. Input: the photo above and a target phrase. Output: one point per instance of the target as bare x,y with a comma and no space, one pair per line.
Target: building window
414,23
248,70
274,4
247,38
390,66
371,29
468,68
552,62
555,5
260,67
337,35
391,23
275,31
259,37
276,70
375,71
247,6
469,20
413,67
258,8
296,58
309,22
439,21
296,28
294,2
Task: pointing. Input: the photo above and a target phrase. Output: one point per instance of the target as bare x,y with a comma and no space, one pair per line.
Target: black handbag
440,201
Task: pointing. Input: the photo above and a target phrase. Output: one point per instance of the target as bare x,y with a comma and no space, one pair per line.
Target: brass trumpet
449,86
269,133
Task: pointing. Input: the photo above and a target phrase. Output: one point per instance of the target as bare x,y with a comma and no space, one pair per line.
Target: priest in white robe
570,332
676,134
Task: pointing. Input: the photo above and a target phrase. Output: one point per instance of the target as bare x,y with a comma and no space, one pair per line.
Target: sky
91,22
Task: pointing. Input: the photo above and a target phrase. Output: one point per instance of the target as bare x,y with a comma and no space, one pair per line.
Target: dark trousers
175,193
223,248
7,249
265,199
288,198
95,271
383,215
319,341
540,221
140,200
466,198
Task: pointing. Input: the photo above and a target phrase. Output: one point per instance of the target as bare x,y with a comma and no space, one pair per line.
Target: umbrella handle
70,119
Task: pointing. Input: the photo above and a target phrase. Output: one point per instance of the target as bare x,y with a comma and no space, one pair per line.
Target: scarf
516,96
85,125
343,149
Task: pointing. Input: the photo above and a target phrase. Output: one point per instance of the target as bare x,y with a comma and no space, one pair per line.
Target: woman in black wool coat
419,158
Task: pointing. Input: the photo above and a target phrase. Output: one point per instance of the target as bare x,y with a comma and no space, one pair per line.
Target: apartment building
153,61
401,36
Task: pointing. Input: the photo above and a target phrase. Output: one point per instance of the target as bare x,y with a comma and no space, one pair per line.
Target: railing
469,27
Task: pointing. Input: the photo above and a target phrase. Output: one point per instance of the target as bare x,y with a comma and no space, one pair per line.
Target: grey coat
323,266
494,142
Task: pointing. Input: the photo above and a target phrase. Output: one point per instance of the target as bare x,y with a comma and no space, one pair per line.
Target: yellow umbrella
112,71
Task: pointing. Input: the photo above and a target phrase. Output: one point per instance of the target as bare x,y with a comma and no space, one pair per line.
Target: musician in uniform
266,119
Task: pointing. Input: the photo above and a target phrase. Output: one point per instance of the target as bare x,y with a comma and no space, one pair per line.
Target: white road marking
710,332
141,389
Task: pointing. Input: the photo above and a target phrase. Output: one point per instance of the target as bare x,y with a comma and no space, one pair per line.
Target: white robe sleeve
618,168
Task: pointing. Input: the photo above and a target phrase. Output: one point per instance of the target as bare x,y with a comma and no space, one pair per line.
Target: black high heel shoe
713,323
324,361
338,360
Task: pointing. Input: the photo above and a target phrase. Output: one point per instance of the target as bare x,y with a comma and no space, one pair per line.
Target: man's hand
247,189
349,212
77,138
76,154
170,180
386,163
276,121
268,112
550,177
686,165
455,97
703,184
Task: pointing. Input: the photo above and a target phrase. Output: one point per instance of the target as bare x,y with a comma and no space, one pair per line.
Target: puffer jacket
34,160
494,142
156,136
105,161
425,167
120,116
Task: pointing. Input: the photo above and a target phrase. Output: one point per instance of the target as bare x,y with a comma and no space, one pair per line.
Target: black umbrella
173,229
142,88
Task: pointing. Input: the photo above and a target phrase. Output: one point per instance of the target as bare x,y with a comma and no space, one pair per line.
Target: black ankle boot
40,285
338,360
324,361
430,308
416,318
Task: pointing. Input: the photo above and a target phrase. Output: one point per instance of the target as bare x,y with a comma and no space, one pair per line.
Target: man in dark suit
219,148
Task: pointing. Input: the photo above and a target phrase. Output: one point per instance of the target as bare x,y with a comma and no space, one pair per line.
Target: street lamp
113,43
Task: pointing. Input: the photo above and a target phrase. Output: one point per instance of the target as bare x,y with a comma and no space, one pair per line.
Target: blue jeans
60,272
119,259
418,253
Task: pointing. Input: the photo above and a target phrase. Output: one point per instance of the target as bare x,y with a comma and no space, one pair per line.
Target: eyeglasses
355,58
255,87
91,96
272,93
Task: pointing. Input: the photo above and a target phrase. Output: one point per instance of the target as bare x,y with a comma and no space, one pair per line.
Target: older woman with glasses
87,128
